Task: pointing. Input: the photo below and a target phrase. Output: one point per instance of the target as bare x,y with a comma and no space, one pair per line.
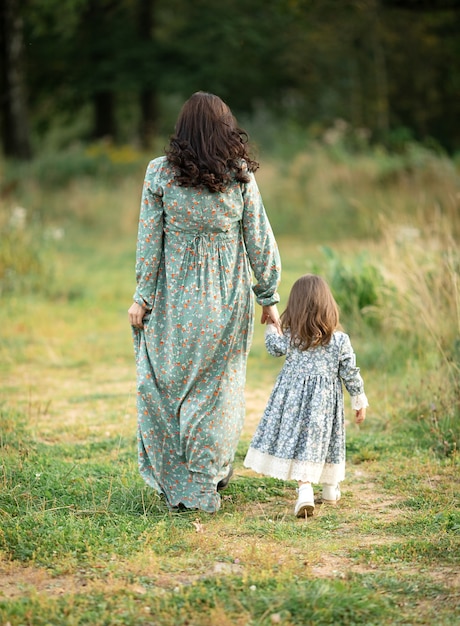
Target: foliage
25,263
324,188
356,286
55,169
307,62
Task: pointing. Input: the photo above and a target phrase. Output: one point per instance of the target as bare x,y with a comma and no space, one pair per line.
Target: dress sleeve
349,373
149,238
276,345
359,402
260,245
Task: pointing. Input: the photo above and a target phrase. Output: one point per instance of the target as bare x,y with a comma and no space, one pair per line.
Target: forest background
353,111
94,69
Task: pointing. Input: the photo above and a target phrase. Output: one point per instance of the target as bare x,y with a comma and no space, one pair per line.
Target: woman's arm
149,245
261,246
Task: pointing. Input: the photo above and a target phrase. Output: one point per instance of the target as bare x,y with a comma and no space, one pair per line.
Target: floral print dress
195,253
301,435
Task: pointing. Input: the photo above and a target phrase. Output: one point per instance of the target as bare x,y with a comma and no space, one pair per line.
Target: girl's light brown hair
311,314
208,149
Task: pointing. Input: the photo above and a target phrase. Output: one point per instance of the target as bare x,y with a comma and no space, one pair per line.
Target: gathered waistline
204,235
200,243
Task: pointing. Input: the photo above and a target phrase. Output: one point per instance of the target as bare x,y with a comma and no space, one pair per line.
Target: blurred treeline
90,69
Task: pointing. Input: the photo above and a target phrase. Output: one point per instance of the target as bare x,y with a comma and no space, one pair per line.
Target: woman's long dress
195,252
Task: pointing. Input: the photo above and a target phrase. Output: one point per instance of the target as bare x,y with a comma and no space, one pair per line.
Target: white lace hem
289,469
359,402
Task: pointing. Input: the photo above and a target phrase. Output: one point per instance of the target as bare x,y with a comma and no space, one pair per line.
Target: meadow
84,541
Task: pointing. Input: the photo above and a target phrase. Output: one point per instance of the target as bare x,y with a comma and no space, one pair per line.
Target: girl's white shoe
331,494
305,504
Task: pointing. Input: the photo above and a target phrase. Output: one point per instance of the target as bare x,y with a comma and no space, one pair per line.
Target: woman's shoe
305,504
224,482
331,494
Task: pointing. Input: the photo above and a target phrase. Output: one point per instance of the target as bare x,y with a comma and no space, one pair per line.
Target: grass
84,541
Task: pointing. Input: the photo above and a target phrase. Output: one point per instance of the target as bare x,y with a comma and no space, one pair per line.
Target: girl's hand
136,314
270,315
360,415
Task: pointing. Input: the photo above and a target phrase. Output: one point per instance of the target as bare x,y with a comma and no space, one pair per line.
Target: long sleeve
260,245
275,344
359,402
349,373
149,239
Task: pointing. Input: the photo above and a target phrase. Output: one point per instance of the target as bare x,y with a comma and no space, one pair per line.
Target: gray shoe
222,484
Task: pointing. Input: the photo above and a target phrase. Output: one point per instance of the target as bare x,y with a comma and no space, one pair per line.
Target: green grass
79,511
84,541
234,601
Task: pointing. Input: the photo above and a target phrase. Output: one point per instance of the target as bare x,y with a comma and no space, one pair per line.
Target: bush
25,263
356,284
57,169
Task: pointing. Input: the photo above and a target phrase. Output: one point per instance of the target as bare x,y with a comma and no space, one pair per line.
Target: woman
202,229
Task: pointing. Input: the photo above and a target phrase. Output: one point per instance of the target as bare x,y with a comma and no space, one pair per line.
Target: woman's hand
270,315
136,314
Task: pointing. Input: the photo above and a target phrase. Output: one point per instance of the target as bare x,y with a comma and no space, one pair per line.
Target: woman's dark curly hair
208,149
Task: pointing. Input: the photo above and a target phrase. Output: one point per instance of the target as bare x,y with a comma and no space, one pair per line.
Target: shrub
356,284
25,263
57,169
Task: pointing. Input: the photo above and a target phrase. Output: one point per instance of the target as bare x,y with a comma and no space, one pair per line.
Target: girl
301,435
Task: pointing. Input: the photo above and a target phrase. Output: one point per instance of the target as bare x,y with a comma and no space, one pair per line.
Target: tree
147,95
378,64
87,55
95,32
229,48
14,114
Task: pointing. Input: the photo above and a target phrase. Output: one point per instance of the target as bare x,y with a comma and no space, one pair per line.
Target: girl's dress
301,435
196,252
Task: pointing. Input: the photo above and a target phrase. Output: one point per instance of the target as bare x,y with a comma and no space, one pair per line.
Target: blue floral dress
301,435
195,253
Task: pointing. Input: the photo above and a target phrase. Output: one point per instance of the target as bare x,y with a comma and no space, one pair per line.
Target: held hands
136,314
360,415
270,315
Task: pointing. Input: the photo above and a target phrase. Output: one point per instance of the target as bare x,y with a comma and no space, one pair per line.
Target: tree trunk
147,96
104,115
97,19
148,115
356,88
14,117
382,105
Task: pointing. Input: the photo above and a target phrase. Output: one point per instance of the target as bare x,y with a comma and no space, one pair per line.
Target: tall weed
326,193
422,267
422,264
25,258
